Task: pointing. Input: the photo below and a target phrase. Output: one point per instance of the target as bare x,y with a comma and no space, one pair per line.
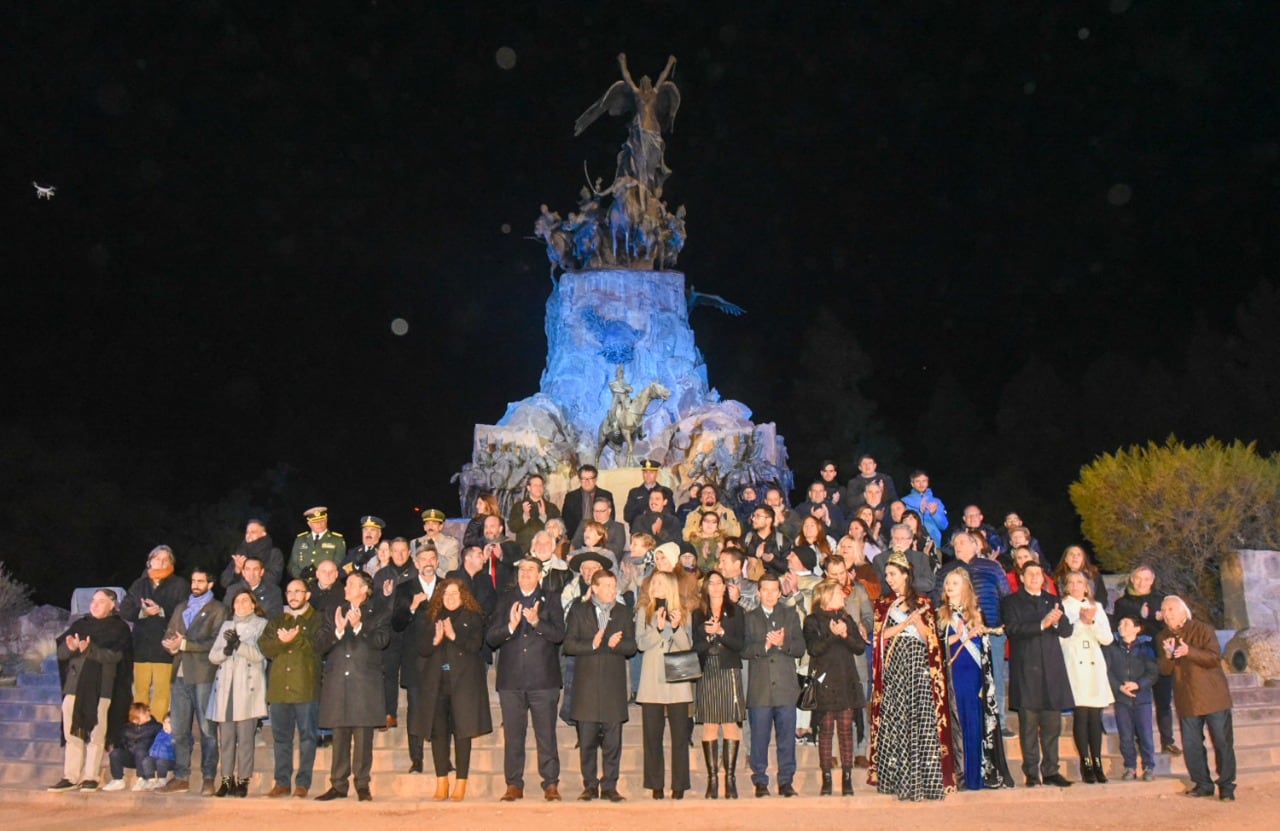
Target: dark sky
248,194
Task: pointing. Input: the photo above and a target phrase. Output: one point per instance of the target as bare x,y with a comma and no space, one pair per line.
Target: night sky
1022,233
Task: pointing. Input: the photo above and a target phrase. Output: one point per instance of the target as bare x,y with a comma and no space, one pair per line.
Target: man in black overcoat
1038,686
601,634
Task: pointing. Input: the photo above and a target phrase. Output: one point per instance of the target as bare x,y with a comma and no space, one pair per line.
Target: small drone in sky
43,192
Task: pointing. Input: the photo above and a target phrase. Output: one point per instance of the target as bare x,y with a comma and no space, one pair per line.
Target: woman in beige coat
239,696
663,626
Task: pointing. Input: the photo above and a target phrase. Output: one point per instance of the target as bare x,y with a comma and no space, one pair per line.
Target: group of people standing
893,656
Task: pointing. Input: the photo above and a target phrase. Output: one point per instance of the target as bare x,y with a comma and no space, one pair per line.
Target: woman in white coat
239,696
1087,672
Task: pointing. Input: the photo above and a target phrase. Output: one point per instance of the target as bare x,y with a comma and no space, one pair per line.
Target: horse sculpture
624,423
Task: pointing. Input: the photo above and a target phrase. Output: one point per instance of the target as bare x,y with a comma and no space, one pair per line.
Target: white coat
241,679
1086,665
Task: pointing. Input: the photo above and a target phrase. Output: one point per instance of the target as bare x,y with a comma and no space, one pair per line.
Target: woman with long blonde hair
663,626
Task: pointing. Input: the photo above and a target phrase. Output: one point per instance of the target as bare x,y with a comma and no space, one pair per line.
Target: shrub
1180,509
15,601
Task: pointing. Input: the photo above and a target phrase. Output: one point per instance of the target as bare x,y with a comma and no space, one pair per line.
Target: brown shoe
513,793
174,786
278,790
300,792
391,722
207,787
552,793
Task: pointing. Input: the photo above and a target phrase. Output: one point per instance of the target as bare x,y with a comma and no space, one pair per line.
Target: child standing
134,749
1132,669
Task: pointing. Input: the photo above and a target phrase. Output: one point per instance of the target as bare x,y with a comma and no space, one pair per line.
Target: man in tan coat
1188,650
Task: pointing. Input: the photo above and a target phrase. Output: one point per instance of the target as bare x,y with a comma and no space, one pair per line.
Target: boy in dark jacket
1132,668
133,749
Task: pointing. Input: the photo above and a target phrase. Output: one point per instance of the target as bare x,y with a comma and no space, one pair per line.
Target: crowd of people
859,620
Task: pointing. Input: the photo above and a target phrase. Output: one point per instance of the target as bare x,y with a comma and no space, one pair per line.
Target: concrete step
1243,680
42,730
25,711
30,695
39,679
27,750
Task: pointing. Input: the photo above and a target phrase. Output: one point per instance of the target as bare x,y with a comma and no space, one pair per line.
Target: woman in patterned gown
910,730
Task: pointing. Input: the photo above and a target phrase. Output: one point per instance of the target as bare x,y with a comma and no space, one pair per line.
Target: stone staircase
31,757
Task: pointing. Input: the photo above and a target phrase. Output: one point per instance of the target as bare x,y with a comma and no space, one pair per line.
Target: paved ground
1136,806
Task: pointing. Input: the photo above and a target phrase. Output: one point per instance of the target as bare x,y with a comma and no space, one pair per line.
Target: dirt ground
1132,806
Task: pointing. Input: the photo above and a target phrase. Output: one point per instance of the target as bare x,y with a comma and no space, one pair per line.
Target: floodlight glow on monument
624,380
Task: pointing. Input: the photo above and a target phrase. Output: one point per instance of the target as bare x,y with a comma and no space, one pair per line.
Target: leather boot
825,790
1097,771
1086,771
846,782
730,753
442,788
226,786
459,790
242,788
713,769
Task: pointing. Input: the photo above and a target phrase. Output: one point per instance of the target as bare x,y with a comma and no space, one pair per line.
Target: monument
624,380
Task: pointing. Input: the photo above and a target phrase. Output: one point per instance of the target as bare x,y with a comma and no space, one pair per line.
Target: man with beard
767,544
658,521
148,605
527,630
530,515
93,664
371,528
257,543
446,546
316,544
410,625
500,554
293,688
350,694
193,626
400,570
251,581
708,500
639,497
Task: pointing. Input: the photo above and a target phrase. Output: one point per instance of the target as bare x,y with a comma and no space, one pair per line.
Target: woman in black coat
719,633
832,638
454,699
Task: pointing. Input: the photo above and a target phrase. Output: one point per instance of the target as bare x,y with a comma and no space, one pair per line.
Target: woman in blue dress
975,729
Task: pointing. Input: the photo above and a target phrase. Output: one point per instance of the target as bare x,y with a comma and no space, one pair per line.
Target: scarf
158,574
292,612
194,605
602,611
95,681
258,549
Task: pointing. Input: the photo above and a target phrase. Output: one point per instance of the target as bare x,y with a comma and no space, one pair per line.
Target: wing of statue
666,104
715,301
617,100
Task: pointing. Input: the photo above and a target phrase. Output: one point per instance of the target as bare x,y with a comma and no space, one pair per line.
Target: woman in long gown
911,754
979,748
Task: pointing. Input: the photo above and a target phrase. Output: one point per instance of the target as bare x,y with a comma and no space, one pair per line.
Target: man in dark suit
253,580
1038,685
191,631
638,497
471,571
410,625
658,521
527,629
577,502
351,694
774,643
601,634
615,532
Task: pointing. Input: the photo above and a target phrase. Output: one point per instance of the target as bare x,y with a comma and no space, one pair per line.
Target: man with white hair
1188,650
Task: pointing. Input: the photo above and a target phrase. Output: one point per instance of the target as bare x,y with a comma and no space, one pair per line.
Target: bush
15,601
1180,509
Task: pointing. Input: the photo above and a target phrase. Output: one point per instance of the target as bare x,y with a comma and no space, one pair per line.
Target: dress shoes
512,794
1228,795
762,790
1058,780
658,794
278,790
1198,791
300,792
330,795
363,795
677,794
1032,783
612,796
551,793
787,790
415,767
589,794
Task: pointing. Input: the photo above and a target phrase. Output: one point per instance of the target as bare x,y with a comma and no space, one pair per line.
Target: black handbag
682,666
808,698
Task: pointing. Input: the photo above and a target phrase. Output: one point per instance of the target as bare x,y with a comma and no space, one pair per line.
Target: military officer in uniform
371,528
315,545
638,497
446,546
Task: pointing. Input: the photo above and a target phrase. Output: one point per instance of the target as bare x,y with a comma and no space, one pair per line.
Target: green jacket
308,551
295,666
